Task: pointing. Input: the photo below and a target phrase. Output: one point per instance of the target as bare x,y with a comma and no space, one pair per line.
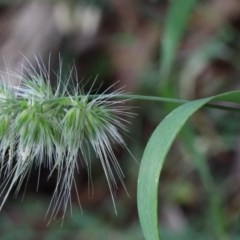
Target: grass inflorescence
42,126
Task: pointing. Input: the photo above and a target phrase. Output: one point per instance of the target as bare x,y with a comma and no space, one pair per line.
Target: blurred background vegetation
150,48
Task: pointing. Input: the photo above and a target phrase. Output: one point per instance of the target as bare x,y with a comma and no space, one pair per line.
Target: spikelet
41,126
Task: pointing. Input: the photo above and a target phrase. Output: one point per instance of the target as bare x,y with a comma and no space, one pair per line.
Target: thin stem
176,101
149,98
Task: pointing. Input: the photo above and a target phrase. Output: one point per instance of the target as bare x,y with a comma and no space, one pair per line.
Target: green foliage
41,126
176,23
54,128
155,155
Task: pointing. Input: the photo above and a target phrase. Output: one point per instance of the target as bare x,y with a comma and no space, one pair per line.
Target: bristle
40,126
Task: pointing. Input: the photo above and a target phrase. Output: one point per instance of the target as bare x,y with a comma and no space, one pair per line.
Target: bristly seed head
40,126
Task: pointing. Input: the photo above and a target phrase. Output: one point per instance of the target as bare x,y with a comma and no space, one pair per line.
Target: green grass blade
216,221
176,22
155,154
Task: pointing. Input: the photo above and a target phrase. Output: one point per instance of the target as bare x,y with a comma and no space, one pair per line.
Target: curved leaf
155,154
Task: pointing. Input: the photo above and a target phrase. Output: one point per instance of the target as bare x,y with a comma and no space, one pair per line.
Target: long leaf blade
155,155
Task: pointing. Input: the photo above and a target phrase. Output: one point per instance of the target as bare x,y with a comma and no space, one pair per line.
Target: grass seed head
45,127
